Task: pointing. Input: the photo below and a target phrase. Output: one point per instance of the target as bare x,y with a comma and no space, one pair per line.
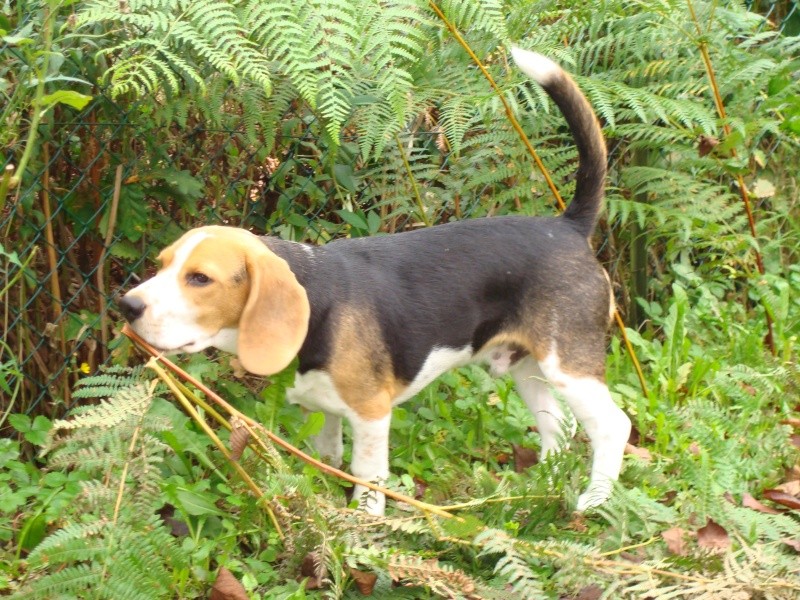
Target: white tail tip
536,66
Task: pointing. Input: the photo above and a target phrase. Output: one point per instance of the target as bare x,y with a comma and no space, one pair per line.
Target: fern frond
110,413
439,578
71,582
162,35
512,565
487,16
73,543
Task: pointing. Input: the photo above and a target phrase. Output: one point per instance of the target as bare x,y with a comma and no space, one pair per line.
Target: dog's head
222,287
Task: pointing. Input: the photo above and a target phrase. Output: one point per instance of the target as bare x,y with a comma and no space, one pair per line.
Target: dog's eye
198,279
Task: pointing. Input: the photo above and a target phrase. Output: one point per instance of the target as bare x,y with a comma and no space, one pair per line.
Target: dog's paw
370,501
597,493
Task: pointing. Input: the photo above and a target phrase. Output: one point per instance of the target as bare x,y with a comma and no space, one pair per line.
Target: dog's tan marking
166,256
251,289
361,367
220,304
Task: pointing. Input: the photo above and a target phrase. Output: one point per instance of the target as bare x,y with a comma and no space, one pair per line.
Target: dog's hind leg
555,426
606,425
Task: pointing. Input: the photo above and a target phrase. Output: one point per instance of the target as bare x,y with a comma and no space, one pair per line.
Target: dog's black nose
131,307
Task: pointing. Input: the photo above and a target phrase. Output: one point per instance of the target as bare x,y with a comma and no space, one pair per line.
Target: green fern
512,565
112,544
159,35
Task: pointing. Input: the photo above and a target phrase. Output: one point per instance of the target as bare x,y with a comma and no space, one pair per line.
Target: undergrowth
128,498
157,510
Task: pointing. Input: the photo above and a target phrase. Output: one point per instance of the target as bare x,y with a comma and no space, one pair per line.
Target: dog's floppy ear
274,321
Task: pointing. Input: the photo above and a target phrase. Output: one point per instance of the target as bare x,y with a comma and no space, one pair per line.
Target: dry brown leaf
420,487
642,453
578,523
675,539
524,458
792,473
794,422
669,497
227,587
637,558
749,502
365,582
795,440
590,592
635,437
790,487
238,370
706,143
795,544
713,537
239,438
748,388
313,570
441,142
780,497
177,527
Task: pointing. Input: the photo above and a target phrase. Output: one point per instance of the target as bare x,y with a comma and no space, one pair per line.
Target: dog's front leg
370,459
328,442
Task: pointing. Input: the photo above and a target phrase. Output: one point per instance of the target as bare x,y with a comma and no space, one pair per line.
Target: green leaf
12,257
20,422
17,40
312,426
465,527
33,532
297,220
185,183
344,177
194,503
353,219
374,222
9,450
792,124
37,434
69,97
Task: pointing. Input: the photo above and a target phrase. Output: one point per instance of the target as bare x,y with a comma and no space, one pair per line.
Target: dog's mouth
193,346
187,347
190,342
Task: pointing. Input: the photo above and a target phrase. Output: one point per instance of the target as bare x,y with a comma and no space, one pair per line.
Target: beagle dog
374,320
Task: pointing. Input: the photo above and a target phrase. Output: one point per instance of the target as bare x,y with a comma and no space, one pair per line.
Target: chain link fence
114,183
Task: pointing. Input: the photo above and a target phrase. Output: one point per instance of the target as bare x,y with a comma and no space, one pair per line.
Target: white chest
315,390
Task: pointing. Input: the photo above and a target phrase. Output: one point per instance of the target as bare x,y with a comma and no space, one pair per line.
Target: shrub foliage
314,119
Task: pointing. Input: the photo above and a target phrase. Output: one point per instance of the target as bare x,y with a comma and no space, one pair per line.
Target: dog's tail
586,204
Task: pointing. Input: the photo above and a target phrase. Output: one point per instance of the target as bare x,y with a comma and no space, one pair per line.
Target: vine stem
189,408
257,427
509,113
101,263
515,124
50,10
425,218
726,128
